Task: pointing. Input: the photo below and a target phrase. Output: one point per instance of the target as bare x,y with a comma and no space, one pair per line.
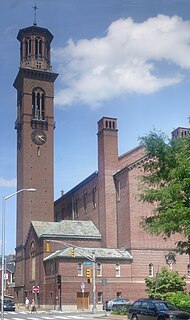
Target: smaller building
58,259
9,274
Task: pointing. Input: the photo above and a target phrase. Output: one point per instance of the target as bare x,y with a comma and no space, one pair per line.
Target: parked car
114,303
150,309
9,305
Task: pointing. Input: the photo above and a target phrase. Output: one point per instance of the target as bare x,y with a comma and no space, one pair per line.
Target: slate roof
100,253
66,229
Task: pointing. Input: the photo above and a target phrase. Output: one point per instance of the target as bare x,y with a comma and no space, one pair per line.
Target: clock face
38,137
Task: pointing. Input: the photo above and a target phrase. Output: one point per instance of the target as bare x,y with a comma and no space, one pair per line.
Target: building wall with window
80,203
102,212
119,212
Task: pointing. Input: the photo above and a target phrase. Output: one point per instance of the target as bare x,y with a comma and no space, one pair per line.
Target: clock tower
35,134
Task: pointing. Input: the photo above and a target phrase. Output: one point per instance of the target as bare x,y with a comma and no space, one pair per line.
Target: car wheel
134,317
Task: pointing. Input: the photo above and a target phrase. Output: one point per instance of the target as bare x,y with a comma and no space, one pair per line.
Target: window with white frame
188,270
100,297
80,269
99,269
117,270
151,270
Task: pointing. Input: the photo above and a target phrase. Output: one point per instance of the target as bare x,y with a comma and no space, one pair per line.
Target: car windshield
165,306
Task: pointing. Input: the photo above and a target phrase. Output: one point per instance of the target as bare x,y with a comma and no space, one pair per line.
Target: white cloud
126,60
7,183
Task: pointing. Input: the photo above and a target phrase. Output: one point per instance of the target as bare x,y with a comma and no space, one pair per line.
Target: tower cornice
34,74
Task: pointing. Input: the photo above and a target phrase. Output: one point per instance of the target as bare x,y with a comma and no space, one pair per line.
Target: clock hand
41,138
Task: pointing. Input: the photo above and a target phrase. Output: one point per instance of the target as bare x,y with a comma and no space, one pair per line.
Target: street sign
87,263
82,286
104,282
35,289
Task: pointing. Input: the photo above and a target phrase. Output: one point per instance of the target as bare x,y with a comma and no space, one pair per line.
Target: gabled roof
9,267
66,229
100,254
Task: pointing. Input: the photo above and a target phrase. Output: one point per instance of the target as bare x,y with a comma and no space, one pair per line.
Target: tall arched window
38,104
38,47
33,261
188,270
99,269
117,270
151,270
27,47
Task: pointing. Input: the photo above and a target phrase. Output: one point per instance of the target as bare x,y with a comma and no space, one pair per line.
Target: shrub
180,299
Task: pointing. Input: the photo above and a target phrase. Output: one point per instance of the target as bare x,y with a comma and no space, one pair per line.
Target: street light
3,245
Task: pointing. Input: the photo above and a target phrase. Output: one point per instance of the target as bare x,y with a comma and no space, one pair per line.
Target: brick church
87,246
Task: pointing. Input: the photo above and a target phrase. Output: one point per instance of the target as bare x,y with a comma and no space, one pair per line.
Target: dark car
9,305
148,309
117,302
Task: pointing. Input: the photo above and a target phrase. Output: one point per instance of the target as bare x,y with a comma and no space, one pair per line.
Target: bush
121,309
180,299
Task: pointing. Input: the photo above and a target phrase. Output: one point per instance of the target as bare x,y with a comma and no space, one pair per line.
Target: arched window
151,270
33,261
80,269
38,47
27,47
188,270
117,270
94,197
38,104
99,269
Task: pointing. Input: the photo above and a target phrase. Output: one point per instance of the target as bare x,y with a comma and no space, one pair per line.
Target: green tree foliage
180,299
166,184
165,282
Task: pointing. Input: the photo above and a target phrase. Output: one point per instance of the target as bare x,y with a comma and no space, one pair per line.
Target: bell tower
35,133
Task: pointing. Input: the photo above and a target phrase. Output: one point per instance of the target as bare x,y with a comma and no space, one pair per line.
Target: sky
128,59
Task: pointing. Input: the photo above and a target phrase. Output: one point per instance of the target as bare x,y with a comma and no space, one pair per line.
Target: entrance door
82,300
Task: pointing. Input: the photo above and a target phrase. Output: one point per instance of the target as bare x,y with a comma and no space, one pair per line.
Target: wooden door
82,300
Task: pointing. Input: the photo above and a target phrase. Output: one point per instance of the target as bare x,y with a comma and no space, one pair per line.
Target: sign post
104,283
36,290
82,289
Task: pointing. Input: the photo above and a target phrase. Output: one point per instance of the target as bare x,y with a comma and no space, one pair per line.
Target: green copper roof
67,229
100,253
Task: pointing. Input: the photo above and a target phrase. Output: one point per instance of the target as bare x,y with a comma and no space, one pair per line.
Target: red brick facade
108,198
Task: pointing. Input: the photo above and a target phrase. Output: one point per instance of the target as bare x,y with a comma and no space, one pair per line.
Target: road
20,315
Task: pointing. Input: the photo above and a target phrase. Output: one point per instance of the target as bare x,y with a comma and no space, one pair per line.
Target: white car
116,302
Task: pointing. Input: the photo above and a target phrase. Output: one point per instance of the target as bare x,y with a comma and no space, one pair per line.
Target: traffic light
88,273
58,280
47,246
89,280
73,253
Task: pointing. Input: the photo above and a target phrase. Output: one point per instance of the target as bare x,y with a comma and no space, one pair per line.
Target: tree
165,282
166,184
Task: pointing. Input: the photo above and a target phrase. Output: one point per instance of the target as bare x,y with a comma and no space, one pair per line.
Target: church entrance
82,300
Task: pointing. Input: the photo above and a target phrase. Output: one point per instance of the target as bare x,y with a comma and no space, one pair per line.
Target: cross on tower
35,8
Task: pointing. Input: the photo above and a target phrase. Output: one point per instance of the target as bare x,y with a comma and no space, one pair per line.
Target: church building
87,246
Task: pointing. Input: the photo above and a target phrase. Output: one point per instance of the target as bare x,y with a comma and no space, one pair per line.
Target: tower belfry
35,135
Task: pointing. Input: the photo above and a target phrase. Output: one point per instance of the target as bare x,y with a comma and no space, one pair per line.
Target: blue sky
128,59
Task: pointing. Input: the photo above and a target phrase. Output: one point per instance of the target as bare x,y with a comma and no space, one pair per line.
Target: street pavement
48,315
